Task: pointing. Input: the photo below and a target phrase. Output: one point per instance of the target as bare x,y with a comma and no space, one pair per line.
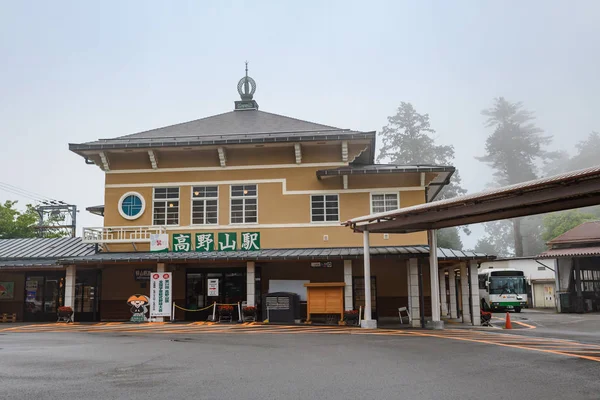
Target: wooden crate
8,317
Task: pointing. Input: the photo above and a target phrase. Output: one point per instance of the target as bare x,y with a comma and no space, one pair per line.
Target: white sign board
293,286
159,242
213,287
160,294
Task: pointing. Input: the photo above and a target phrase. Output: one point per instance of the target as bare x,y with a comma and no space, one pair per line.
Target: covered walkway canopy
560,192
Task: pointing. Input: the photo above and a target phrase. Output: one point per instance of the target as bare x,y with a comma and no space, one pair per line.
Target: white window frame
166,201
130,217
231,198
324,195
384,194
204,199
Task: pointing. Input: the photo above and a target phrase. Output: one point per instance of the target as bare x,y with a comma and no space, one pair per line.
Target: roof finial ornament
246,88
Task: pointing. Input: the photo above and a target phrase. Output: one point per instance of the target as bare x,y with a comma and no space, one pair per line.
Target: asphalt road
581,327
80,365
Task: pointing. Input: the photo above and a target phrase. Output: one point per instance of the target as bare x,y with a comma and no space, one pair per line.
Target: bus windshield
507,285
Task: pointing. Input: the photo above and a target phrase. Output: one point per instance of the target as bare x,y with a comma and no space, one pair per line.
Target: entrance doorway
358,289
230,285
87,295
44,293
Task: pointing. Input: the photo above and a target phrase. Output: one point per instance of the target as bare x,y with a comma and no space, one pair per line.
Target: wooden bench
8,317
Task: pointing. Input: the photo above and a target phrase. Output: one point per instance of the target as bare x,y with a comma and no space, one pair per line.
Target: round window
131,205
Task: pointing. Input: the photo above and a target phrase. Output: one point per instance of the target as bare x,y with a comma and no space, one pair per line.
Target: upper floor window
244,204
205,205
166,206
383,202
131,205
324,208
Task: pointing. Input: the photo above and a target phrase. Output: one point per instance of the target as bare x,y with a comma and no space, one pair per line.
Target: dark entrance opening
231,290
87,295
44,293
358,289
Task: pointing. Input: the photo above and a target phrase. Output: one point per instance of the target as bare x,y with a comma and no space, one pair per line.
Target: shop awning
317,254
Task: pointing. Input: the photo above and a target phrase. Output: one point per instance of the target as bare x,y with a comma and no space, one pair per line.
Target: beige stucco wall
284,193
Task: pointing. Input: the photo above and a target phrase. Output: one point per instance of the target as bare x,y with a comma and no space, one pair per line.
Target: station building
255,200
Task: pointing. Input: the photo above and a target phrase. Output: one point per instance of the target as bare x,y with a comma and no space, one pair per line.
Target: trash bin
281,307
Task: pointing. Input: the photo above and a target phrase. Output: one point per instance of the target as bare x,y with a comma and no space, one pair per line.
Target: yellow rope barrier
201,309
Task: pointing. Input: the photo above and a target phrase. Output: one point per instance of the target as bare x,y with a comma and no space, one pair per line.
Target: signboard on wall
213,287
7,290
142,274
160,294
159,242
318,264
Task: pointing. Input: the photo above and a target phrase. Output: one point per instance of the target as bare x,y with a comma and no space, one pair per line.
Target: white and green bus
503,289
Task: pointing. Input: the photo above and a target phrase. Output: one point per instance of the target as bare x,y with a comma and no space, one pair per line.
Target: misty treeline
516,149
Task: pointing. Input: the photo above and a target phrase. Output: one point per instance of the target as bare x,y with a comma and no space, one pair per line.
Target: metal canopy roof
44,248
41,252
317,254
561,192
444,173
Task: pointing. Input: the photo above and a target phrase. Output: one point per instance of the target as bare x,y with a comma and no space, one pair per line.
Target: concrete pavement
271,362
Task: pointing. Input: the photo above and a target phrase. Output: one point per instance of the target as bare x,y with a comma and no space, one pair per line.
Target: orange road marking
511,345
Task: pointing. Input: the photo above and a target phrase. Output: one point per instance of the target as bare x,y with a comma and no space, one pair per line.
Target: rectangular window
384,202
244,204
205,201
165,209
324,208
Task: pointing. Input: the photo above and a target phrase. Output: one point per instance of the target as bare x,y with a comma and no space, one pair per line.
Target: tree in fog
555,224
409,139
514,150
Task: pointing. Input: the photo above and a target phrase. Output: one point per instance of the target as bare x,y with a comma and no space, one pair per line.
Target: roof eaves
150,143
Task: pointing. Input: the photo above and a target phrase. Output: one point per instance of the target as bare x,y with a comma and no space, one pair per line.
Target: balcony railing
121,234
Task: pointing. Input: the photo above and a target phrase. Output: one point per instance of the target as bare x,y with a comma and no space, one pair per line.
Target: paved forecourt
495,337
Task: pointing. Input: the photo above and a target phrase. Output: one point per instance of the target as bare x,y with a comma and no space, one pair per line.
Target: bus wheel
518,309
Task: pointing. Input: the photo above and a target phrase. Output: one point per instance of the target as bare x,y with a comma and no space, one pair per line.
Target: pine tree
514,150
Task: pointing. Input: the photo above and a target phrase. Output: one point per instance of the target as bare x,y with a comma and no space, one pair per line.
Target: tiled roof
248,126
573,252
41,251
586,232
337,253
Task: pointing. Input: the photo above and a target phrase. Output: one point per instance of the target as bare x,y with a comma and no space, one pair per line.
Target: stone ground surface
207,362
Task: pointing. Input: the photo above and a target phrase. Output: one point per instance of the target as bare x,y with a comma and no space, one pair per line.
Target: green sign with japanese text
250,241
227,241
182,242
205,242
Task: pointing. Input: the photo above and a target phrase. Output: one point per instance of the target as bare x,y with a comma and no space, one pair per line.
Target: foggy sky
79,71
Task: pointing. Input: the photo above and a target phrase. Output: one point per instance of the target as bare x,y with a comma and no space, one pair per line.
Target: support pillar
464,287
348,301
413,292
367,322
475,301
434,276
70,279
452,287
250,283
443,297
